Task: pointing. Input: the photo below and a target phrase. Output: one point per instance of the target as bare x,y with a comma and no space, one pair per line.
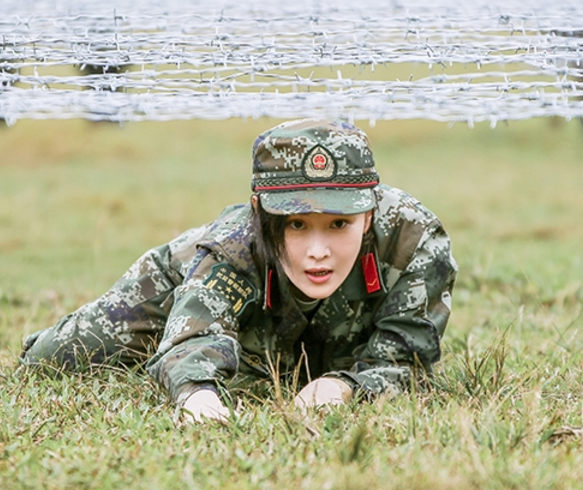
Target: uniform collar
354,287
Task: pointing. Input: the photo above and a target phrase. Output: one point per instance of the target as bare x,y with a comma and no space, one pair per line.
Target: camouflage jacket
217,322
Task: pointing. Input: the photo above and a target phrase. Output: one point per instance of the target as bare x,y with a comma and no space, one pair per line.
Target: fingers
203,406
323,391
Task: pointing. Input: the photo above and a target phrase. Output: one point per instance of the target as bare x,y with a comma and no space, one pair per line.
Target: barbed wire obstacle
158,60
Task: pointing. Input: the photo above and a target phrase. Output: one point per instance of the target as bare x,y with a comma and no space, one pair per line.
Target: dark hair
269,232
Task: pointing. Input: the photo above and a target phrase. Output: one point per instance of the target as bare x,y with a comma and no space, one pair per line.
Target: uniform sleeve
199,346
122,324
411,319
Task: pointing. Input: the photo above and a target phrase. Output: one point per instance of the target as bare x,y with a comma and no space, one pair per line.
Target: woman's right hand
204,405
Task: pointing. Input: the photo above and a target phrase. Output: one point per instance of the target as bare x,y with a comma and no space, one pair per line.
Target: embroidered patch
319,164
225,279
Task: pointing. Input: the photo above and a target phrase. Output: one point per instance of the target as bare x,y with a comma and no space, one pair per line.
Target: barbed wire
159,60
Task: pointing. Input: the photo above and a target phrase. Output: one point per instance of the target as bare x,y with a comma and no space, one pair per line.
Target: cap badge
319,164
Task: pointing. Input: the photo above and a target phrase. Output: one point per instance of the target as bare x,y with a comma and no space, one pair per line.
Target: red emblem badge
319,162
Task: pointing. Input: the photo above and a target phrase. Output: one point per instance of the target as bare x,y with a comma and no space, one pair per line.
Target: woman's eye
296,225
339,224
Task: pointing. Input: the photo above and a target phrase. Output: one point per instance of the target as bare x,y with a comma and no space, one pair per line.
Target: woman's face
321,250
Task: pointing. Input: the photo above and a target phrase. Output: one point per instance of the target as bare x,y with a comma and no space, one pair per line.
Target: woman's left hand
323,391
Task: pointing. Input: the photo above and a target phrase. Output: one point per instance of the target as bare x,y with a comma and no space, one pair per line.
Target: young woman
324,270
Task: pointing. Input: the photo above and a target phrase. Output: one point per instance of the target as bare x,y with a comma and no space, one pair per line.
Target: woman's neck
299,295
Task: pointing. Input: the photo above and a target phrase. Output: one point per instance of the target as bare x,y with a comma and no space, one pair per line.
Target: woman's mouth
319,276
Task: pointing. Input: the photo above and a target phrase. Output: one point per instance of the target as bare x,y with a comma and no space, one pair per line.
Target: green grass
80,201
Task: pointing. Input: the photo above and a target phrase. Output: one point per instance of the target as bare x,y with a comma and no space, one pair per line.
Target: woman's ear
255,201
367,221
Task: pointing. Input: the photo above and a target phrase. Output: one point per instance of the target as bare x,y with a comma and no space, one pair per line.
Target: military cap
314,166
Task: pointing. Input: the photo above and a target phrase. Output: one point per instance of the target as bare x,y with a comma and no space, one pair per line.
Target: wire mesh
159,60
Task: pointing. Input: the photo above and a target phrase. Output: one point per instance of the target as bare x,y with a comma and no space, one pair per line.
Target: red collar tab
371,273
268,289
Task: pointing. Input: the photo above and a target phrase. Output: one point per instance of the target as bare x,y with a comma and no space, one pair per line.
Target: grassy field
80,201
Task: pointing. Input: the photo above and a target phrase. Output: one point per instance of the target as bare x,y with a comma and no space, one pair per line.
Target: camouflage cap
314,166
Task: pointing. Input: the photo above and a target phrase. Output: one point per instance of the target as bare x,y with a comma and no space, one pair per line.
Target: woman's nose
318,247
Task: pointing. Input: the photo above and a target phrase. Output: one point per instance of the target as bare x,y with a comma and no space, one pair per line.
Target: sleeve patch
225,279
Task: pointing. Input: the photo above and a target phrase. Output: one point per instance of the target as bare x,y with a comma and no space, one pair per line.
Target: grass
81,201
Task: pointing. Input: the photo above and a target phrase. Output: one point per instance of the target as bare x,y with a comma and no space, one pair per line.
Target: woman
324,270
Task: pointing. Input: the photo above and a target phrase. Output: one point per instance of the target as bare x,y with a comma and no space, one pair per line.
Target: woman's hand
323,391
204,405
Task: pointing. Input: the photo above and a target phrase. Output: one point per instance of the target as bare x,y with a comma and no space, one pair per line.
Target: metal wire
157,60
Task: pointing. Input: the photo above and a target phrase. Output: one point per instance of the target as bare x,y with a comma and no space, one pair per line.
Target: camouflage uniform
201,308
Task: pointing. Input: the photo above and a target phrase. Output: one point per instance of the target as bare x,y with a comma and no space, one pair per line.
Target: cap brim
331,201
